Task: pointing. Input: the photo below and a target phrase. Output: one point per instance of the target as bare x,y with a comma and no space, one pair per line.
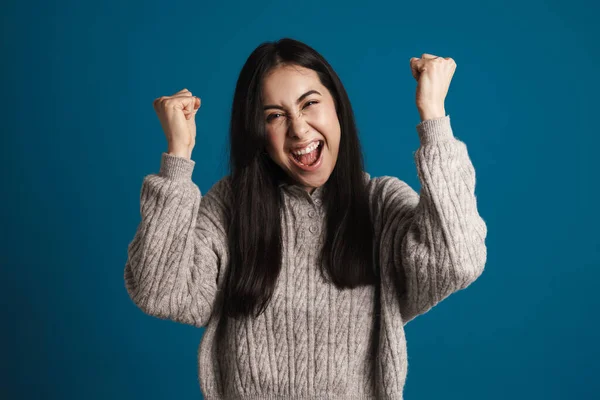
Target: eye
272,117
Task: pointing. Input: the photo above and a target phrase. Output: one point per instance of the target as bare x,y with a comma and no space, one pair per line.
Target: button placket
316,213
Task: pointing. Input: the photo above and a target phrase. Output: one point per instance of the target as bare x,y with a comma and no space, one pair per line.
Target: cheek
332,130
274,143
271,140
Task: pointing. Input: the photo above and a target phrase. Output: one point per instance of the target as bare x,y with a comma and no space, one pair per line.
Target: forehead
289,81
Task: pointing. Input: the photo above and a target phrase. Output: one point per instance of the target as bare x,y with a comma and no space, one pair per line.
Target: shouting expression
302,126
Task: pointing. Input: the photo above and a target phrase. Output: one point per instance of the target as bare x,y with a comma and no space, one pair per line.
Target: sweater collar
296,190
317,194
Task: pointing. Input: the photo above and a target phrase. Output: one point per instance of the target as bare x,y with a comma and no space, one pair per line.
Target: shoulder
221,188
390,199
387,188
218,197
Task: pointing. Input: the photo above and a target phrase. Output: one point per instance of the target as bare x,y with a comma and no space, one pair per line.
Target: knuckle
163,102
157,101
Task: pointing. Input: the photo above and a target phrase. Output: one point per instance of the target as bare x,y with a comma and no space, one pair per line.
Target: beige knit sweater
313,341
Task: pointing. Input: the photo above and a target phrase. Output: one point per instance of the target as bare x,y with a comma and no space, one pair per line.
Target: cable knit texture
313,341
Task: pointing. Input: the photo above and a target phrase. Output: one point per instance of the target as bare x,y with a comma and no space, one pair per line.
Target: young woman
303,268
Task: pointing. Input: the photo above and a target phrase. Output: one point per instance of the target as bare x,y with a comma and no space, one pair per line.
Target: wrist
432,112
180,152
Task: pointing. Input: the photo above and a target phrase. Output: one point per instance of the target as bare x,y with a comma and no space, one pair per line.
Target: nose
298,127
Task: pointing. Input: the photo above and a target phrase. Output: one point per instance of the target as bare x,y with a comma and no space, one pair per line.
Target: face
300,115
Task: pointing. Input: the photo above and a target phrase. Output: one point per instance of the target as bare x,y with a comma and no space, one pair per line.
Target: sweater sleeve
436,239
174,259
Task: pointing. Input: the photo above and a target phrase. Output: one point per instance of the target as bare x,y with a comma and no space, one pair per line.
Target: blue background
79,135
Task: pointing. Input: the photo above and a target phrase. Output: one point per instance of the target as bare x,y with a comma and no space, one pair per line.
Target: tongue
308,159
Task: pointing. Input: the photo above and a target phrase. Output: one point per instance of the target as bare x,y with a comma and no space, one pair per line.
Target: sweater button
312,229
317,201
311,213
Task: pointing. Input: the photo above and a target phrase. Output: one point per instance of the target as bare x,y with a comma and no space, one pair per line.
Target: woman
302,267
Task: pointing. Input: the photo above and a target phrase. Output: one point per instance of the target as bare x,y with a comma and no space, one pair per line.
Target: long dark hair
255,232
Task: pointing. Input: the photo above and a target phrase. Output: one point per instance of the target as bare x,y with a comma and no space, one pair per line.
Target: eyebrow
269,106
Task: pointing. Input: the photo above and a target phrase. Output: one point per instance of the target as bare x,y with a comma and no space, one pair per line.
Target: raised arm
180,245
435,241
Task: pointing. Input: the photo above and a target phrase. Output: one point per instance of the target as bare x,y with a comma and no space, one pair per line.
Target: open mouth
311,160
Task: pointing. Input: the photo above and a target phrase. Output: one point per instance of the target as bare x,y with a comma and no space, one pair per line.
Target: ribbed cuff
434,130
175,167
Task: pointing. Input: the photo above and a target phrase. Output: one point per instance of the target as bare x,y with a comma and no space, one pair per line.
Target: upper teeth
307,149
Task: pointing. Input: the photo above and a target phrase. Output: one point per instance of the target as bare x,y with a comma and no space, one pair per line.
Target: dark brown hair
255,231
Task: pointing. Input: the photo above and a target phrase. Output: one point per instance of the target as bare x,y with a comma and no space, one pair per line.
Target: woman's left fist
433,75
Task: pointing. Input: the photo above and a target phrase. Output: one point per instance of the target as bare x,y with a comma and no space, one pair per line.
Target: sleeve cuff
434,130
176,168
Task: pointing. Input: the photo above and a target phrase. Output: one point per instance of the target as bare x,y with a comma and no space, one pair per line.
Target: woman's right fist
177,117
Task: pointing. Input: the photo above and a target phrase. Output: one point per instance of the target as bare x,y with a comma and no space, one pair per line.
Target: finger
195,105
190,114
182,91
183,94
188,103
188,109
157,100
428,56
195,102
415,67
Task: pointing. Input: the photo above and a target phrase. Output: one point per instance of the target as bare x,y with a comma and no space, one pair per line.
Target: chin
317,180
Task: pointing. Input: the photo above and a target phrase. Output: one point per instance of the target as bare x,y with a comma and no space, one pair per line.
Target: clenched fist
177,118
433,75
